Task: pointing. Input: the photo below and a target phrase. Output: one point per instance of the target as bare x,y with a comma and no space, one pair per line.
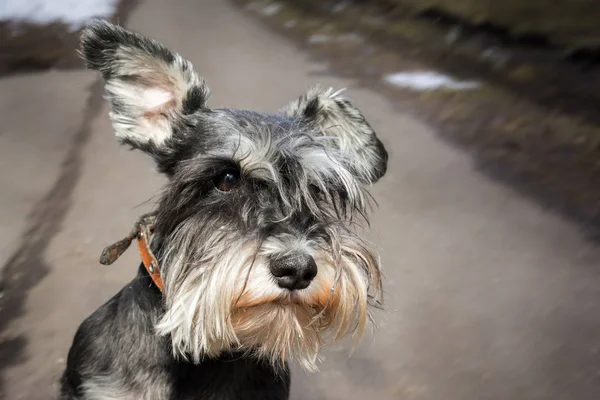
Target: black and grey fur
255,236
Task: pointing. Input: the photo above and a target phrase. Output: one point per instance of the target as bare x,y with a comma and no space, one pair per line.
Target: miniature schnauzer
255,234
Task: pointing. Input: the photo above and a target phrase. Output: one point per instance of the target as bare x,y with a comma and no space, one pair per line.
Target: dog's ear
150,89
334,117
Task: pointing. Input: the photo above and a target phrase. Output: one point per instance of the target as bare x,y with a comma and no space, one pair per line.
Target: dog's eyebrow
264,172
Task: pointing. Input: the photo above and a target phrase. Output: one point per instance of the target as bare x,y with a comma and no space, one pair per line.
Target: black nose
294,272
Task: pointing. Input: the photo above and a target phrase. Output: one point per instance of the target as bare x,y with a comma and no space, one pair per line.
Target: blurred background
488,217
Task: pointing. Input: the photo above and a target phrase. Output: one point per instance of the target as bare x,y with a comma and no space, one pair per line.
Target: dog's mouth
287,299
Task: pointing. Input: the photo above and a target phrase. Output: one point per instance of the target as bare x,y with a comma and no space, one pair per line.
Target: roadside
47,105
569,25
531,123
38,47
38,35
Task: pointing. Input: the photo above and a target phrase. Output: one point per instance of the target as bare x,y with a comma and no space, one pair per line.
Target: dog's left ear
151,90
332,116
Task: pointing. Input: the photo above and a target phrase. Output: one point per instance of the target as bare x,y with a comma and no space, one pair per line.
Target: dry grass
565,23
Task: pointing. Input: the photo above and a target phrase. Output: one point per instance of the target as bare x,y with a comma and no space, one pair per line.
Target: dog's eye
227,181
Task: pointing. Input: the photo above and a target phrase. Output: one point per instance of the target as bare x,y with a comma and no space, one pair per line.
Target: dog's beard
220,298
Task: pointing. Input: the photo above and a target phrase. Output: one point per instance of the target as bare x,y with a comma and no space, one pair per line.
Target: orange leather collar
142,231
148,258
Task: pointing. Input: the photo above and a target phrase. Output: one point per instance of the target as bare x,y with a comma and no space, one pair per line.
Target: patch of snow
453,35
74,13
350,37
428,80
319,38
272,9
339,7
290,24
496,56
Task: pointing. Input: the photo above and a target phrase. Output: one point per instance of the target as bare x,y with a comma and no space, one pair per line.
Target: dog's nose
294,272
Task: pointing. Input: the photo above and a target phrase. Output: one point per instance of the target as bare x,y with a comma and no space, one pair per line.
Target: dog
256,256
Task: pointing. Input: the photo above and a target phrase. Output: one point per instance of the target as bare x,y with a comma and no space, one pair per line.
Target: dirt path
489,296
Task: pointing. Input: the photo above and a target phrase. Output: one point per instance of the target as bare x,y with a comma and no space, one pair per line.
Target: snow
290,24
272,9
319,38
74,13
343,38
428,80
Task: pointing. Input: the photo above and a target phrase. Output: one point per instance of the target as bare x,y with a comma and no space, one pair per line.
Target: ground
489,294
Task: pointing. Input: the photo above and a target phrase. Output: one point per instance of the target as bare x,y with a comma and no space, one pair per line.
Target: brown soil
533,125
564,23
27,47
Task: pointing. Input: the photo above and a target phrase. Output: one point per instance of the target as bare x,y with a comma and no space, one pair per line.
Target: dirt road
488,295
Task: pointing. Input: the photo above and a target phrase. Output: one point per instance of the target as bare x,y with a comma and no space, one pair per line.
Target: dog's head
258,219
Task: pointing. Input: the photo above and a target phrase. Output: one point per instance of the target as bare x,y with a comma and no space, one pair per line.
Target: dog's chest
115,388
164,387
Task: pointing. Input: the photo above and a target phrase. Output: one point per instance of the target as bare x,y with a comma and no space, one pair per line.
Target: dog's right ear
335,117
150,89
